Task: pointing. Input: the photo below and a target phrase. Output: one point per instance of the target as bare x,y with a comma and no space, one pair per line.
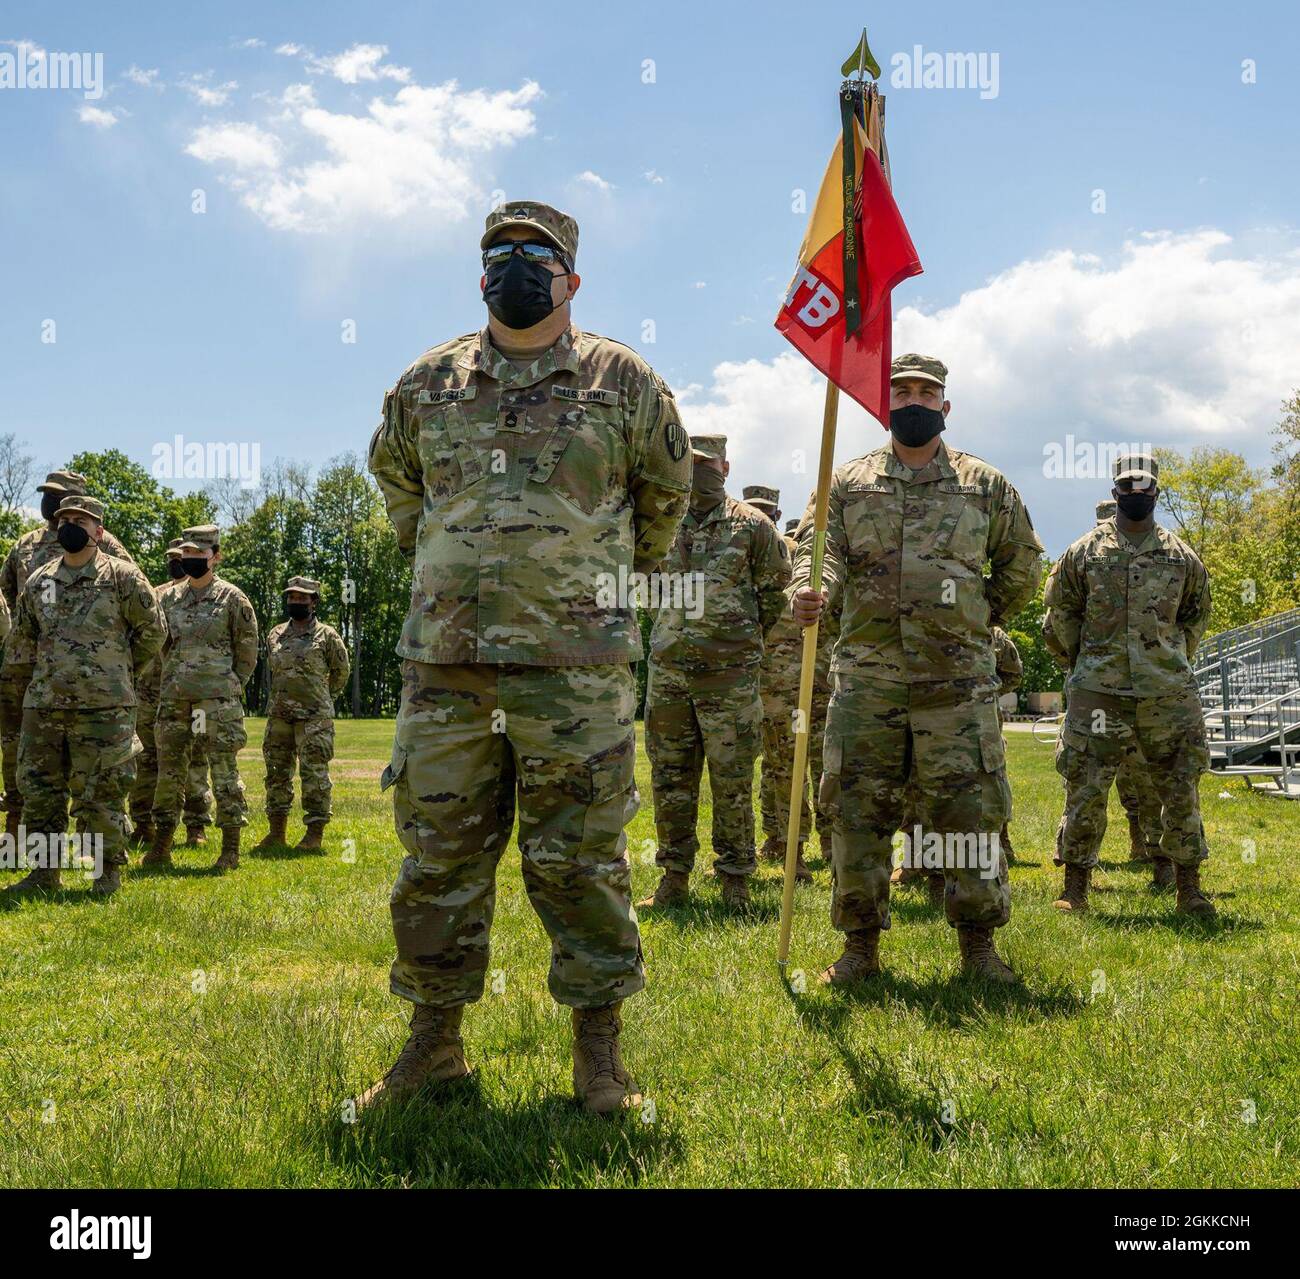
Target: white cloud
417,154
1174,341
238,146
145,79
207,94
252,43
97,117
653,178
359,62
594,180
289,50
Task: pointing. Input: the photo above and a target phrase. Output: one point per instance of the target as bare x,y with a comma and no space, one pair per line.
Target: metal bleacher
1249,682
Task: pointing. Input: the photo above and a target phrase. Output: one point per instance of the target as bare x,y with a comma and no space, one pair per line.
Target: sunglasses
533,251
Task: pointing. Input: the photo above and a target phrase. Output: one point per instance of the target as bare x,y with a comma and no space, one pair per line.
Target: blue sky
1172,317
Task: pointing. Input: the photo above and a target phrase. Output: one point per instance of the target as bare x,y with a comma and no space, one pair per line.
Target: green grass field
205,1031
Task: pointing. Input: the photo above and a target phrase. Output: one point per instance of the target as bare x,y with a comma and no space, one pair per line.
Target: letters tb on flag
812,315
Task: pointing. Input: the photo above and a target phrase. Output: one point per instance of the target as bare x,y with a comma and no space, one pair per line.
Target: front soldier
93,624
210,653
309,669
702,691
27,554
528,469
1128,604
911,527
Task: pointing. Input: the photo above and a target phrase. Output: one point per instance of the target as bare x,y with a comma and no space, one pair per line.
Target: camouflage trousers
777,778
87,757
220,722
471,742
1165,736
1140,799
13,688
690,718
308,744
947,738
198,796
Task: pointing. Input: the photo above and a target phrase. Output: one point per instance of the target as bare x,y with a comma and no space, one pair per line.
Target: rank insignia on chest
448,395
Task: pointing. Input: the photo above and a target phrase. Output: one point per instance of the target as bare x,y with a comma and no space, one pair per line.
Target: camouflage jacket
92,629
523,498
309,669
740,566
28,553
1006,660
211,645
783,648
148,683
908,550
6,621
1128,618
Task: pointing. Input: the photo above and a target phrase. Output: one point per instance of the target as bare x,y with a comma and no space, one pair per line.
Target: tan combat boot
934,890
108,882
1074,898
673,890
160,851
735,891
39,880
1162,874
600,1080
195,835
1191,901
978,957
433,1053
773,849
860,960
275,836
901,876
229,859
314,836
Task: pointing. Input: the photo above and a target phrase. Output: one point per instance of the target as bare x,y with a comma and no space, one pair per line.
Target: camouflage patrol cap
1135,466
763,497
1105,510
925,367
91,506
709,446
559,228
202,537
791,525
174,548
63,482
307,585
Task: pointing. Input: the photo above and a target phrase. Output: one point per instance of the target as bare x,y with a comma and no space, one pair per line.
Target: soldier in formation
210,653
911,527
92,624
1128,603
528,470
309,669
702,691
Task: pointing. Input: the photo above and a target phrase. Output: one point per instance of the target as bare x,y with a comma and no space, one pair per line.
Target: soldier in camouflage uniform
778,679
309,669
1128,604
210,653
198,798
29,552
911,527
702,690
93,624
528,470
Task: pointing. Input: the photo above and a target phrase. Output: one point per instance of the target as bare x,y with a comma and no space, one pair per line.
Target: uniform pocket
395,767
583,459
448,457
993,750
828,787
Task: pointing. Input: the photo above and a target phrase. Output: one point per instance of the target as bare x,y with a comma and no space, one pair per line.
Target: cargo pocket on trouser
1083,820
226,737
107,747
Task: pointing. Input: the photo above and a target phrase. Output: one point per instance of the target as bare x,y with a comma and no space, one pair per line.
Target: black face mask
915,425
72,537
518,292
1136,506
174,569
50,504
193,566
299,612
